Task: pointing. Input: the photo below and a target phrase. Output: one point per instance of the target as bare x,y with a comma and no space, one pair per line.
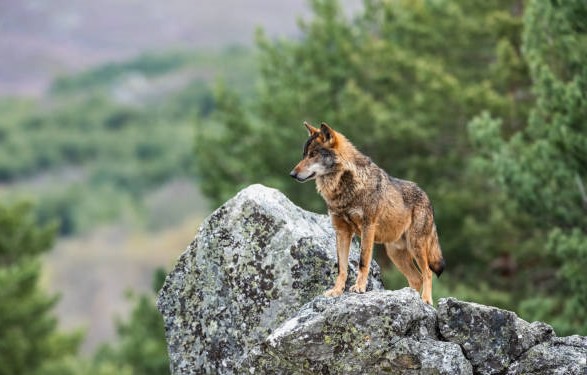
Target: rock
383,331
490,337
253,263
560,356
246,298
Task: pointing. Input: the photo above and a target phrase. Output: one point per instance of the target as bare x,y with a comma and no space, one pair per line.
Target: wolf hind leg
400,256
418,249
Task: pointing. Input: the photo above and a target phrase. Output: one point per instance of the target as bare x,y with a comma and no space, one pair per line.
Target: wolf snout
300,177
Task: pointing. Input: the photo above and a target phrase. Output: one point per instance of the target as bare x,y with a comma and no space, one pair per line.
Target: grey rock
490,337
253,263
379,332
560,356
246,298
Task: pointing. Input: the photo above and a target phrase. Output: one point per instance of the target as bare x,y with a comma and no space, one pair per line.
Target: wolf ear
328,134
312,130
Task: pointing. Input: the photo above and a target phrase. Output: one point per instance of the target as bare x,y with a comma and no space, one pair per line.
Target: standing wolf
362,199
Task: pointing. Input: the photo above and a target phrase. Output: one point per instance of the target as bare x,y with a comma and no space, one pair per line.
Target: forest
483,104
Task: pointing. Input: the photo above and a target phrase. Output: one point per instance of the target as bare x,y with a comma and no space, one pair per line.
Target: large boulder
381,332
246,298
491,338
253,263
559,356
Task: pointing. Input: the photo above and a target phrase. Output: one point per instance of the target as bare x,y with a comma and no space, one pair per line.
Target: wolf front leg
343,243
367,238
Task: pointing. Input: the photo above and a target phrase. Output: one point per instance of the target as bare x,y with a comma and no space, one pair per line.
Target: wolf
363,199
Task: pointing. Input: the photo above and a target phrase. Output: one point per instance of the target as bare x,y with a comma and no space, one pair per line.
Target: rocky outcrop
560,356
253,263
491,338
382,331
245,298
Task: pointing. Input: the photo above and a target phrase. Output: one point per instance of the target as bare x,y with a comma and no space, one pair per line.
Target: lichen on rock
491,338
382,331
559,356
246,298
253,262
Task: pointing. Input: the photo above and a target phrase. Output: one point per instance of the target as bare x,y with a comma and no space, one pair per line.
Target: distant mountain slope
41,39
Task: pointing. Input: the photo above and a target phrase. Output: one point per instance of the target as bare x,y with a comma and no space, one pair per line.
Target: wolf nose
293,173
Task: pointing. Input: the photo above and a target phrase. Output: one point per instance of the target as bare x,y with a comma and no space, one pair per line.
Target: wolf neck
329,185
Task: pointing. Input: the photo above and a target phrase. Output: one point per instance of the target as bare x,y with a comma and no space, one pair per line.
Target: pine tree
543,167
29,340
401,79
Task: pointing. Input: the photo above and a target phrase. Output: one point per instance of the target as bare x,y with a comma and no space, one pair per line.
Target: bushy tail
435,260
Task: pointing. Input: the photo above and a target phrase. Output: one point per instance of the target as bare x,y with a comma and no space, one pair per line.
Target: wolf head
319,156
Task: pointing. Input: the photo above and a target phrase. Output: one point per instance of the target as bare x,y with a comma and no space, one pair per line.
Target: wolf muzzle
295,175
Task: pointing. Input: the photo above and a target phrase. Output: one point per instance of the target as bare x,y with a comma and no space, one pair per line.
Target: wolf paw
333,292
358,288
427,300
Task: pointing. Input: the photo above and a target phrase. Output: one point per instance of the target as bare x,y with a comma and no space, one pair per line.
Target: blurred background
123,123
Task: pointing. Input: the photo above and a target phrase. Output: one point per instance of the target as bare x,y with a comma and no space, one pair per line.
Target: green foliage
77,208
401,80
149,64
233,62
543,167
92,152
29,341
380,78
103,153
219,141
99,132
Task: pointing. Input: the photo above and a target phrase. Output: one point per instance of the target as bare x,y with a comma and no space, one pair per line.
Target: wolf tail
435,260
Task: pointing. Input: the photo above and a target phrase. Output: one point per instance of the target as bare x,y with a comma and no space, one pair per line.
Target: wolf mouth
307,178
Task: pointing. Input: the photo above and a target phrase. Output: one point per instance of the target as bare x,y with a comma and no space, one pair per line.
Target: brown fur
362,199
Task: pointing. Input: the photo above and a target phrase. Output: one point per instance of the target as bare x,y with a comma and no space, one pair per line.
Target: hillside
94,272
107,156
105,148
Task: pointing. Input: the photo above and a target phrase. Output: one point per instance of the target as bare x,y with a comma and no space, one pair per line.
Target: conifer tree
29,340
401,79
543,167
